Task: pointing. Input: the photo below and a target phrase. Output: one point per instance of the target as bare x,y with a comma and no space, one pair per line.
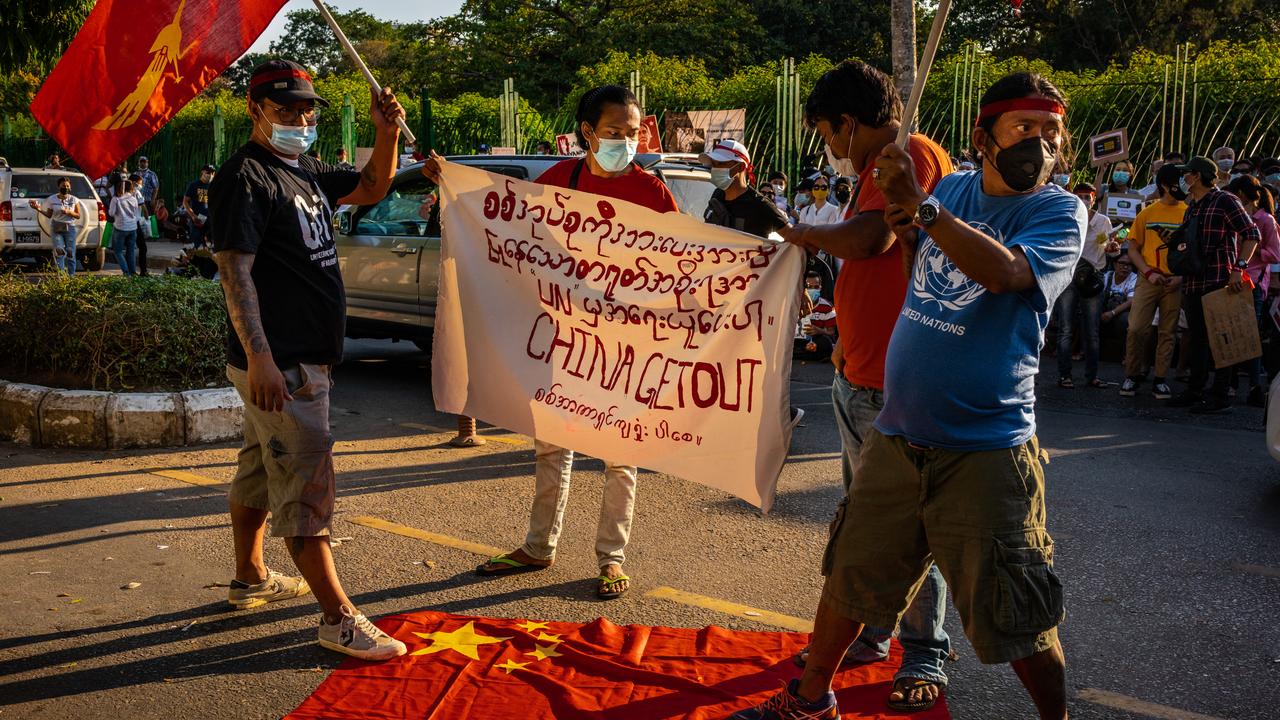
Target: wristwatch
927,212
1242,264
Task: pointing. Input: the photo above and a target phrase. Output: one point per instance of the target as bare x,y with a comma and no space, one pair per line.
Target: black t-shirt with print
750,212
197,195
284,216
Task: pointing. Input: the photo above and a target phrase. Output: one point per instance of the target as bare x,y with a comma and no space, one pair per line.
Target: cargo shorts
286,464
979,515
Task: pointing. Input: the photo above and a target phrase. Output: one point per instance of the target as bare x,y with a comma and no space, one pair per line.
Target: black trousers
1201,355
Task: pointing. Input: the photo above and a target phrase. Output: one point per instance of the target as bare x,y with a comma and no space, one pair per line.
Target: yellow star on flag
543,652
543,637
529,626
511,666
464,640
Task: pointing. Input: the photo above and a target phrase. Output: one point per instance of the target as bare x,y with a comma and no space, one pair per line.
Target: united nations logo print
937,279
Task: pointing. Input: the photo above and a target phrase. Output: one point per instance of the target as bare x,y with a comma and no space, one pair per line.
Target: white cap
726,151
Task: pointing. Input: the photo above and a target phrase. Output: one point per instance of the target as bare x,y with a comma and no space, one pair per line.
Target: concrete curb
48,417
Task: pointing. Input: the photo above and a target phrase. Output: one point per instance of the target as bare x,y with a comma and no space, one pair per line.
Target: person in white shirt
63,211
820,212
1085,292
125,215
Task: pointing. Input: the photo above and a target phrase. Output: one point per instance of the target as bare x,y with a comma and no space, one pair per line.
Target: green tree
1093,34
36,34
307,39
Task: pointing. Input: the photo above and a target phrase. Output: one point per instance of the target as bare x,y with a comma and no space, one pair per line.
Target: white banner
598,325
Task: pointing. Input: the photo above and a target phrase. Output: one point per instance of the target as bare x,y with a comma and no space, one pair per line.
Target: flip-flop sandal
606,590
467,441
1100,384
510,567
905,686
1066,384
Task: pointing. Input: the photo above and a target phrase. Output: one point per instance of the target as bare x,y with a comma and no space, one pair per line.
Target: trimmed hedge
160,333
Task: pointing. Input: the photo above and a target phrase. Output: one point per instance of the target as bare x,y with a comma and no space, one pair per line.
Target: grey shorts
286,464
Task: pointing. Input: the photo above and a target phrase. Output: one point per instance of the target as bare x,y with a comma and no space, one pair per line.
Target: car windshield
692,192
410,209
45,184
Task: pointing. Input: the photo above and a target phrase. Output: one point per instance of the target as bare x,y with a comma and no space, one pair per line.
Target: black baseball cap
1200,164
283,82
1168,175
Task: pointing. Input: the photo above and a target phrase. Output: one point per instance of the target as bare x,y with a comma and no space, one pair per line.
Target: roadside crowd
1125,304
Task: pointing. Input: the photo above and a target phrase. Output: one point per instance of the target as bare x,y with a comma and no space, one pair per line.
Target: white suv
26,233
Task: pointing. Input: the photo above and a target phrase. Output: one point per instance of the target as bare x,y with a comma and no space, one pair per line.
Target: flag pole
364,69
922,73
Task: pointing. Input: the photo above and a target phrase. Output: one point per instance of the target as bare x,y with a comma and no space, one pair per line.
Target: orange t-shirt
869,293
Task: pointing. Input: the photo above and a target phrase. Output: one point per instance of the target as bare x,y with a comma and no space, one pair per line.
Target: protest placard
1233,327
604,327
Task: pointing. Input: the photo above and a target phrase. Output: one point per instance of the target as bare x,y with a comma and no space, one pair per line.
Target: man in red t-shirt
856,110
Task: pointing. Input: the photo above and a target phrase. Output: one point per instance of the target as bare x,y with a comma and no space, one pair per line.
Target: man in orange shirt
857,111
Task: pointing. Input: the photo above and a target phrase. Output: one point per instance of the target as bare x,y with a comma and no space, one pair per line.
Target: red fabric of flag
484,669
134,65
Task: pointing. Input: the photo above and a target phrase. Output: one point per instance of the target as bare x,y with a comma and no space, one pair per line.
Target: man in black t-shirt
735,203
271,210
196,202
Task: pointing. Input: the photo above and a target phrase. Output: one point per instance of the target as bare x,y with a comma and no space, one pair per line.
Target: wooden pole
922,73
364,69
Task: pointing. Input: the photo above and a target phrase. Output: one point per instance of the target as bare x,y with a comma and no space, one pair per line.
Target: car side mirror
342,221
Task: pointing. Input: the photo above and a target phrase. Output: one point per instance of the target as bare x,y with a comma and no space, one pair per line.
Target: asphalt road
1166,534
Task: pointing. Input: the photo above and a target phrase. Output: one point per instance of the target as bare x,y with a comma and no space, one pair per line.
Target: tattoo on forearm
369,176
242,299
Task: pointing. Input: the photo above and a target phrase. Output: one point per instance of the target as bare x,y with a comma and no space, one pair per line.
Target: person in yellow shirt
1157,288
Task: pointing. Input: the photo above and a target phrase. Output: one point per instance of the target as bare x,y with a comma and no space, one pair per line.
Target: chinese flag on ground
471,668
134,65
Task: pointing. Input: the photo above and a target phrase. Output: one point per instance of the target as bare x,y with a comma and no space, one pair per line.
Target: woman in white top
820,212
63,211
125,216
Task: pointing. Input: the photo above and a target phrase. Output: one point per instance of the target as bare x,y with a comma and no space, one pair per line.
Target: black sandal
905,686
1066,383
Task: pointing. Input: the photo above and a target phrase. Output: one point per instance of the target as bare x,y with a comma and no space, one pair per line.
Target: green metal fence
1183,110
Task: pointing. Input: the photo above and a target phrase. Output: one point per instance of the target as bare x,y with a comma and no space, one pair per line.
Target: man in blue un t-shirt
952,472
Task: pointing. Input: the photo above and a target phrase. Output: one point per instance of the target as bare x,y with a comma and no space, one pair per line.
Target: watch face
928,212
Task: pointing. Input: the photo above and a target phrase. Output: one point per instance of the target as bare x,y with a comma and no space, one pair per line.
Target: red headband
751,173
1026,103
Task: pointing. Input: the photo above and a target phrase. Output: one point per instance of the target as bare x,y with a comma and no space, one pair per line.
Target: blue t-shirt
961,366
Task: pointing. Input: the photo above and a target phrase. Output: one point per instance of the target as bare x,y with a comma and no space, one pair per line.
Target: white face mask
616,155
843,166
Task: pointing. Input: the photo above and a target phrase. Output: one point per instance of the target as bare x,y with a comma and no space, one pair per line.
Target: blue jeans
925,643
124,244
1090,317
65,240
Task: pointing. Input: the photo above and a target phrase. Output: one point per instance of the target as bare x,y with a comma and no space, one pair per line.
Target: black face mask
843,194
1027,164
1176,193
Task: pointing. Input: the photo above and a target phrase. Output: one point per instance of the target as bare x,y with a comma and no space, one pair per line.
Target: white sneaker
277,586
358,637
1128,388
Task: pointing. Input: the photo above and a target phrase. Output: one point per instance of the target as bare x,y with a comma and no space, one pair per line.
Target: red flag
484,668
134,65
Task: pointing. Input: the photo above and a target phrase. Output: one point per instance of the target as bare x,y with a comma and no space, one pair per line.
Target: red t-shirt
869,293
636,186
